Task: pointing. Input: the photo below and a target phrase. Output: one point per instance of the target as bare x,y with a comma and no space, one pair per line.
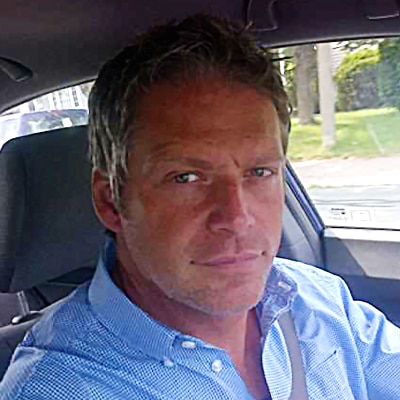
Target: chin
217,295
221,311
219,306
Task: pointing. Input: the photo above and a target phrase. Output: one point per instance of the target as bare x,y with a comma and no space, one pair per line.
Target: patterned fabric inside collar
278,297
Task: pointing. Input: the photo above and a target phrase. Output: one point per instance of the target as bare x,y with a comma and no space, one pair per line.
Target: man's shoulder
65,319
312,282
48,348
36,373
322,302
297,269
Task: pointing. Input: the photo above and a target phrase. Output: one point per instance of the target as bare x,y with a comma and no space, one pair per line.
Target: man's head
188,131
197,46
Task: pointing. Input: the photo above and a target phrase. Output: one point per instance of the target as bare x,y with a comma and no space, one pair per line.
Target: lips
226,261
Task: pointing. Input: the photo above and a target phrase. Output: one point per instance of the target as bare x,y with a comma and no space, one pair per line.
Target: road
349,172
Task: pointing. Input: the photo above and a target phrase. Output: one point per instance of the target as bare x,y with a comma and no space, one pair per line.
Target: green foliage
290,82
356,80
354,45
389,72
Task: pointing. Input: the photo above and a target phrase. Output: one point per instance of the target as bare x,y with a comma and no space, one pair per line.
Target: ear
103,202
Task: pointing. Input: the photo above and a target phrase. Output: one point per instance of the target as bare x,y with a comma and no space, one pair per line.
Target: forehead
207,110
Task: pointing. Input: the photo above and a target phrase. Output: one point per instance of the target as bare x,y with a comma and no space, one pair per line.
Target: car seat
49,234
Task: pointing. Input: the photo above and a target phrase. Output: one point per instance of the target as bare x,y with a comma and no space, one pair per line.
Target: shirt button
217,366
168,362
284,286
188,345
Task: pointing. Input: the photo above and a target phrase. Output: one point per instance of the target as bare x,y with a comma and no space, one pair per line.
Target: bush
356,80
389,72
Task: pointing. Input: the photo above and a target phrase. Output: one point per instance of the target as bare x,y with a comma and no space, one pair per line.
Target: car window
345,135
62,108
8,125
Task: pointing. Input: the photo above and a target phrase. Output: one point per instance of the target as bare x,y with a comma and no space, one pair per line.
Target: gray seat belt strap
299,386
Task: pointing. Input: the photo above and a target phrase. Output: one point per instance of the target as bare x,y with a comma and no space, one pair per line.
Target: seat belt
299,386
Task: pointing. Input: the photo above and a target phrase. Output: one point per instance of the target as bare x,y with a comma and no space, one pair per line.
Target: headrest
48,227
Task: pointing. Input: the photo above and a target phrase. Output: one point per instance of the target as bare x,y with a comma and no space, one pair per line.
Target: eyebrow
206,165
266,158
195,162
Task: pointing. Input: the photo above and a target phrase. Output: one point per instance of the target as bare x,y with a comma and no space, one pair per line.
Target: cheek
267,206
268,199
163,222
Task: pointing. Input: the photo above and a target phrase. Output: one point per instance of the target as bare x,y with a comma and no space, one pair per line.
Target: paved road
349,172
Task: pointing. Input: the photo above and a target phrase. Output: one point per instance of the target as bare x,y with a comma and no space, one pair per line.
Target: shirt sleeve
378,343
29,377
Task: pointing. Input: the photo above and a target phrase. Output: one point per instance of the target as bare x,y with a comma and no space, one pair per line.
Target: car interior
50,237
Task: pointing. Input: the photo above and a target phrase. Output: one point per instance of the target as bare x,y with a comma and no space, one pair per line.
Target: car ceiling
66,41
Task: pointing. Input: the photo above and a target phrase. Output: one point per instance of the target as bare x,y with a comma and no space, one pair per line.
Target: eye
260,172
187,177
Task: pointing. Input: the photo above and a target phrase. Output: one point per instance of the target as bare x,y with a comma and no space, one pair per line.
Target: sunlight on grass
362,133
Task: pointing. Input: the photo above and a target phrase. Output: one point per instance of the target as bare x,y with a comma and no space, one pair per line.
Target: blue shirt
96,344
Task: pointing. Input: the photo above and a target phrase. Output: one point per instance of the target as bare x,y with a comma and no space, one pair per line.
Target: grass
362,133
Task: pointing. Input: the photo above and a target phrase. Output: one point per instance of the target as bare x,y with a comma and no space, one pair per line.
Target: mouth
241,260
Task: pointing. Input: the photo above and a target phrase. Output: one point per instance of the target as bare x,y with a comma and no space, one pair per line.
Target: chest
332,371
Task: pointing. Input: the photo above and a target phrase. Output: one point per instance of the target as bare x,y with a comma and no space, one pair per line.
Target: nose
230,210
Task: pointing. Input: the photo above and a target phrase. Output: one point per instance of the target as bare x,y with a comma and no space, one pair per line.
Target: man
188,131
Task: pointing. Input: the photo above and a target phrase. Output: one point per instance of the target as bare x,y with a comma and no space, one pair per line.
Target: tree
304,59
389,72
356,80
354,45
86,88
289,74
326,94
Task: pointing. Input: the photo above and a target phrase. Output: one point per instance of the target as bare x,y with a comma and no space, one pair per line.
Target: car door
344,188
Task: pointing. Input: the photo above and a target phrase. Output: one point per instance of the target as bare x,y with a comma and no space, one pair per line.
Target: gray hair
197,46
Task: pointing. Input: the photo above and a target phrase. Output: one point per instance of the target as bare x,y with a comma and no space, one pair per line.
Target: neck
237,333
229,332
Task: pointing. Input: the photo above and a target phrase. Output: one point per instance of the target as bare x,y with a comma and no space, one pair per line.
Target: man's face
203,203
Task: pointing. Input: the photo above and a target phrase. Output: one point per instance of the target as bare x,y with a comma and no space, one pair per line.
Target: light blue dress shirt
97,345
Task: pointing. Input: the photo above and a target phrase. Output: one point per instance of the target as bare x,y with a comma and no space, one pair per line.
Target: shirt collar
278,296
131,324
119,315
